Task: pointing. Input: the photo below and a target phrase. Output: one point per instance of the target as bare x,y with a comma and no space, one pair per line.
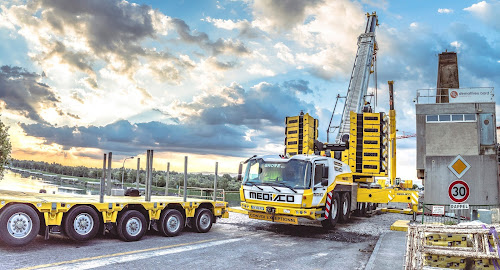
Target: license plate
277,218
261,208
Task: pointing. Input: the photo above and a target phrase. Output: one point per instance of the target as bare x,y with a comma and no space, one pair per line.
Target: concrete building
446,130
457,140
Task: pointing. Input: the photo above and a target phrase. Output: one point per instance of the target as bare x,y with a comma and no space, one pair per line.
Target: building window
444,118
470,117
432,118
451,117
457,117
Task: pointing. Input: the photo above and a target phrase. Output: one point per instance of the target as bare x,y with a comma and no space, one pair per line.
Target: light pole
123,167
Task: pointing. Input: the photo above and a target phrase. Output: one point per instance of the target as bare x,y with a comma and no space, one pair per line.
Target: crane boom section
358,85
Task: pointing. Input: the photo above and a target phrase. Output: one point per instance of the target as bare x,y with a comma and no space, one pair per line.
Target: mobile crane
329,181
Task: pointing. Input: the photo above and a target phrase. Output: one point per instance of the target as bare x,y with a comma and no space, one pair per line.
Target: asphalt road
234,243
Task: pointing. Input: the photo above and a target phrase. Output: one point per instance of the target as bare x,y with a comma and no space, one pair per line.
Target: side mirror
240,170
324,182
325,172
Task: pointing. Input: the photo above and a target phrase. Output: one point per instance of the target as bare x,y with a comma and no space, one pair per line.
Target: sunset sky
214,80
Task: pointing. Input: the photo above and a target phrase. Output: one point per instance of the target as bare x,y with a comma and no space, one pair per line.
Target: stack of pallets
452,247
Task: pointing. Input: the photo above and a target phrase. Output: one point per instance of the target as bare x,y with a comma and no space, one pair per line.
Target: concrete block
484,215
400,225
495,215
117,192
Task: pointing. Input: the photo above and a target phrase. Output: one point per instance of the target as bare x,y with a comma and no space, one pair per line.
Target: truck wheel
345,207
19,225
171,222
333,218
131,226
81,223
203,220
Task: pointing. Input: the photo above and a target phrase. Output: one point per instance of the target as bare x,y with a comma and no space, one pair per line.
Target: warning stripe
414,199
328,204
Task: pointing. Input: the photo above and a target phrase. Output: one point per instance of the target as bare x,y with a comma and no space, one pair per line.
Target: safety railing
431,96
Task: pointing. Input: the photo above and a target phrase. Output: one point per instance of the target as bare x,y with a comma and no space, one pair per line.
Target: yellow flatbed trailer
23,215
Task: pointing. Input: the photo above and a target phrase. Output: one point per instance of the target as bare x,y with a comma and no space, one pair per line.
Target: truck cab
284,189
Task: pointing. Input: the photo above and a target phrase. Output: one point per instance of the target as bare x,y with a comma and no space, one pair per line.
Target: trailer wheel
345,207
19,225
81,223
171,222
131,226
203,220
333,218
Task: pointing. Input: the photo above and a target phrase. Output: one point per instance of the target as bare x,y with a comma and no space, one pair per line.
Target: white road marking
134,257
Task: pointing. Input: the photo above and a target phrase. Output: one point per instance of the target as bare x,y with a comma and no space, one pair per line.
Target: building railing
430,96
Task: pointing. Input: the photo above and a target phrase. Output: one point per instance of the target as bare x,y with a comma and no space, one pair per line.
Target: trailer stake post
103,182
185,177
137,177
166,180
150,174
215,181
109,185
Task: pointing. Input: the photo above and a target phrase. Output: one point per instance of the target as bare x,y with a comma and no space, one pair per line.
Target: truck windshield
294,173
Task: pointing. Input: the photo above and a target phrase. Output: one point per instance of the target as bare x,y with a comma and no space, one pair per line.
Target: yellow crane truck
329,181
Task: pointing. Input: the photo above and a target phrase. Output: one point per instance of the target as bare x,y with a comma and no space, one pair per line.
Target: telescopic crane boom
358,85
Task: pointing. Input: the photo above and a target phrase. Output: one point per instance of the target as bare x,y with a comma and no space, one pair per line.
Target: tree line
225,182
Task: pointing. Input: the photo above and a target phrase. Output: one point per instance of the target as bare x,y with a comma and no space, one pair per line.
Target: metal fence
202,193
450,215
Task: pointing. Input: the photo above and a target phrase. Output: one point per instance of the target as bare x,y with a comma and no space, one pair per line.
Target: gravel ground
358,229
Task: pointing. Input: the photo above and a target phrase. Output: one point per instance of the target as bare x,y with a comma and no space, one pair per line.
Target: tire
345,207
171,222
203,220
131,226
81,223
333,218
19,225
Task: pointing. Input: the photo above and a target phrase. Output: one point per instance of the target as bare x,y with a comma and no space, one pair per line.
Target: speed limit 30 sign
458,191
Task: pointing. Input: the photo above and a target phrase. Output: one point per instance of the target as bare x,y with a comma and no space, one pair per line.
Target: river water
14,181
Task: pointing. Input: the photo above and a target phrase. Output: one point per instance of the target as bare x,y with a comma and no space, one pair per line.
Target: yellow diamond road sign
459,166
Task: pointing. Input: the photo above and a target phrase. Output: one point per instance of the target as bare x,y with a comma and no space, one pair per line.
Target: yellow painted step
237,210
400,225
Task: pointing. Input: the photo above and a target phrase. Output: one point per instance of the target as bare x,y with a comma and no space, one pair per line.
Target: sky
214,80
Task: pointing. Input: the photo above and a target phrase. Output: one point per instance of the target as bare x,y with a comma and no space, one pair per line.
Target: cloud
277,15
115,37
487,12
216,47
477,55
22,92
300,86
445,10
230,121
258,69
124,137
245,28
304,34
